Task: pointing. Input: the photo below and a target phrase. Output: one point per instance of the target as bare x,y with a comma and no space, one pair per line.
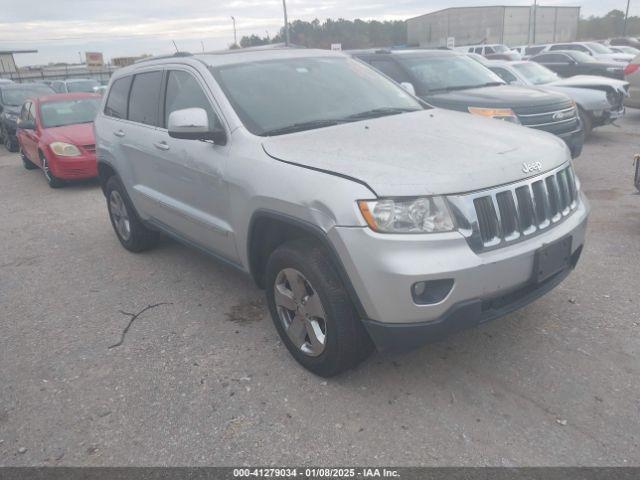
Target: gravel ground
204,380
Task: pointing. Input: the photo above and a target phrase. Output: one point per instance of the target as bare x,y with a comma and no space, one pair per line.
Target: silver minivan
369,217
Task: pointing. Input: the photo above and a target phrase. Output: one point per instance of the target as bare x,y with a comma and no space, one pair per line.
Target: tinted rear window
118,98
145,98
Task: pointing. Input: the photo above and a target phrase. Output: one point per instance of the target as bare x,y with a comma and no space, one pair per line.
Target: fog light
430,292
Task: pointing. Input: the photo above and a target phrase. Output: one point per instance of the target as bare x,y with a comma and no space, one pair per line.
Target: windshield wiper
299,127
379,112
465,87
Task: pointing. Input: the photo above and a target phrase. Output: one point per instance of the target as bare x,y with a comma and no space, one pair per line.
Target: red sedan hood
78,134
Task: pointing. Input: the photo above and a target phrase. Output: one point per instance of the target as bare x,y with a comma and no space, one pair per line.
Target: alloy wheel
119,215
300,311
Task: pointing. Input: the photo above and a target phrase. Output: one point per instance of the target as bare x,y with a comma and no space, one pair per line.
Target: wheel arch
269,229
105,172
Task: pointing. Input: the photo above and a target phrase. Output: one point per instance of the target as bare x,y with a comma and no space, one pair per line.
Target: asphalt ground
204,380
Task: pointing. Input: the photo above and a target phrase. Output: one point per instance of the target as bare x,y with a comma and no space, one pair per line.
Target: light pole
286,23
235,33
535,19
626,19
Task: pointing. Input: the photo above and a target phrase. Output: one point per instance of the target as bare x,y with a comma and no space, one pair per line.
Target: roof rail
159,57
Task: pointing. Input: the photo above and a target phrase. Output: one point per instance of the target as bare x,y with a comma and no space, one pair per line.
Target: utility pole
286,23
535,19
235,33
626,19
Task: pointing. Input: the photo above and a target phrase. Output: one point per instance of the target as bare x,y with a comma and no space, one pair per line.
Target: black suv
453,81
568,63
12,96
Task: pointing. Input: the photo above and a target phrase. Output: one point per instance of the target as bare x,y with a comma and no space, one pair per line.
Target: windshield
69,112
535,73
582,57
15,97
450,72
86,86
629,50
281,96
598,48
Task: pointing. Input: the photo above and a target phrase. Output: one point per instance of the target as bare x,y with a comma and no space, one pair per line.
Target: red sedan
55,133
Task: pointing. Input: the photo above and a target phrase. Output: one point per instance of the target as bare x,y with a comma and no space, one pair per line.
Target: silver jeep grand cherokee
368,217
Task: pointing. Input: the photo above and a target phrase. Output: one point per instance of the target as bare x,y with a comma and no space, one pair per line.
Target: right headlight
415,215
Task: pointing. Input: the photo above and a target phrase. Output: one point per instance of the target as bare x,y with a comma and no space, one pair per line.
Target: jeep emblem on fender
531,167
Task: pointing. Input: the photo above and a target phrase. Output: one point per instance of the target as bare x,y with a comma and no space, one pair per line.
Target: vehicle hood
78,134
587,98
431,152
13,110
615,57
505,96
591,81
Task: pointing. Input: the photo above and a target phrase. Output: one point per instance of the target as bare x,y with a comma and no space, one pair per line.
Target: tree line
373,33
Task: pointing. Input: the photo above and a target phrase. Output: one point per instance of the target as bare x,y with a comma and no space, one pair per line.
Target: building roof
491,6
11,52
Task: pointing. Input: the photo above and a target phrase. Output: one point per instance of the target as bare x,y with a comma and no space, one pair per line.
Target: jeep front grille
511,213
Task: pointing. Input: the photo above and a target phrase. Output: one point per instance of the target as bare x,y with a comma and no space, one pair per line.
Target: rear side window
118,97
145,98
184,91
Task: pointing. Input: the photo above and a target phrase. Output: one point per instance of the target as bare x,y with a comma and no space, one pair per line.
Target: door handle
119,133
162,146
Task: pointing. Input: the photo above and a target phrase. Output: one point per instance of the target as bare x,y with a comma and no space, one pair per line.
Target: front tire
587,122
132,233
312,311
52,180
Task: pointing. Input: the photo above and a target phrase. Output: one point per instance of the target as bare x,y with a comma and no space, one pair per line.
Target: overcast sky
60,29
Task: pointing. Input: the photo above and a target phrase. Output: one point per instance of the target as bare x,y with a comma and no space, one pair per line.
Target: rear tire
344,341
636,179
11,143
587,122
131,232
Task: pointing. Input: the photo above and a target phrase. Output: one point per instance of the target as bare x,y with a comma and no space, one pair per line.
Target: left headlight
505,114
63,149
416,215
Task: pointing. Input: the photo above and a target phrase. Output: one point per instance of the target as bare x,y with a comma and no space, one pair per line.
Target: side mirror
193,124
26,125
408,87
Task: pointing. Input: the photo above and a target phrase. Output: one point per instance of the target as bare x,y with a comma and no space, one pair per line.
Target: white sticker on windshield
302,70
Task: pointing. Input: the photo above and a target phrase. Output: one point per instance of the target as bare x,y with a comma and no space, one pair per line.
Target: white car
495,50
594,49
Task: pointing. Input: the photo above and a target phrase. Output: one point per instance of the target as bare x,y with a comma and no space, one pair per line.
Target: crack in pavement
133,318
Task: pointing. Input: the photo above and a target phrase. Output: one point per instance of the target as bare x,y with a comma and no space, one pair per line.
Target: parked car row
453,81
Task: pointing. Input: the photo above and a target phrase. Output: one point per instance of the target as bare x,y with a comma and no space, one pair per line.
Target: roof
11,52
230,57
57,97
490,6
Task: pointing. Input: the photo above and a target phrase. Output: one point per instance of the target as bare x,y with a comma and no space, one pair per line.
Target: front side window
184,91
118,98
504,74
24,113
273,96
448,72
68,112
144,99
